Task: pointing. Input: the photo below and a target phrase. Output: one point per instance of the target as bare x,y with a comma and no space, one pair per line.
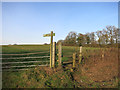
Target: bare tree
105,36
87,38
92,37
110,30
62,41
99,35
80,39
115,34
70,39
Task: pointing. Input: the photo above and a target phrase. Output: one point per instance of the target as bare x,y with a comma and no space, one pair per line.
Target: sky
26,22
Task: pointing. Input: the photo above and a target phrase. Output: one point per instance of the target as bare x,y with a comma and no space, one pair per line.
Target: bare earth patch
100,69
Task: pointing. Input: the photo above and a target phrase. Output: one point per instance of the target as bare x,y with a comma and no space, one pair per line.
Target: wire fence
90,55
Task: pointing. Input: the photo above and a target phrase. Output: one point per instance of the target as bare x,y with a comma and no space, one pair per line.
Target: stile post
59,53
80,55
53,56
74,58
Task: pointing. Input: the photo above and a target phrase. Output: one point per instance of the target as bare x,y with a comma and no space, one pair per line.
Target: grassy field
93,72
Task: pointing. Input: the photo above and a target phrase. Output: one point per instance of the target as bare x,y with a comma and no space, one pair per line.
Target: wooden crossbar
26,53
25,66
22,62
26,57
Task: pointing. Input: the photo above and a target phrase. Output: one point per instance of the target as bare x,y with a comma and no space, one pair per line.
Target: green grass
8,49
36,78
39,78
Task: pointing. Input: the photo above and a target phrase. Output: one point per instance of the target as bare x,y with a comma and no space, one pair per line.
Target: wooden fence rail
24,66
26,53
13,70
23,62
26,57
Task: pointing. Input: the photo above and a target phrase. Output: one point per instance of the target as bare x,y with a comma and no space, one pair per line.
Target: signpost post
51,45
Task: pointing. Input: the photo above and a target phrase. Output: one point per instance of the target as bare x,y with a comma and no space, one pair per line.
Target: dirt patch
102,69
98,71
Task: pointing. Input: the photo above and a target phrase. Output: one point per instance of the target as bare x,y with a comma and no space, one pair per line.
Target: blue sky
26,22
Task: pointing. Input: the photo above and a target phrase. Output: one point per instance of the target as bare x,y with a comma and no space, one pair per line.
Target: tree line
105,37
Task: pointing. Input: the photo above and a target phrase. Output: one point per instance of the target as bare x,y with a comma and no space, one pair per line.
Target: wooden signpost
51,45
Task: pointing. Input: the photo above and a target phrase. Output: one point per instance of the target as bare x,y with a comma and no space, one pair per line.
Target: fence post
53,56
74,57
80,55
102,53
59,53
